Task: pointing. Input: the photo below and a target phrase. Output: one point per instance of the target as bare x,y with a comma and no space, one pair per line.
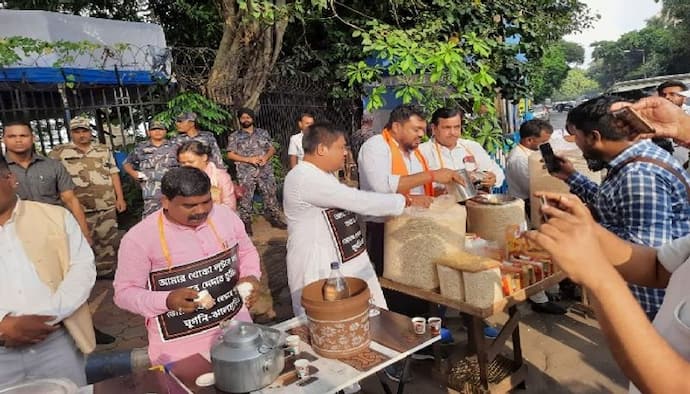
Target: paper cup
292,345
434,326
302,368
419,325
245,289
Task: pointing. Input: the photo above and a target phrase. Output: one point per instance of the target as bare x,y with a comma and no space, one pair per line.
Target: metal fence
282,104
119,113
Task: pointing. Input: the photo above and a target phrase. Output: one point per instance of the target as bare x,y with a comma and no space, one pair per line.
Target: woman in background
196,154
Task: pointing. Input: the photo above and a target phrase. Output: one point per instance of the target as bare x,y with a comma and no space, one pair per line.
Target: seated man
46,274
171,256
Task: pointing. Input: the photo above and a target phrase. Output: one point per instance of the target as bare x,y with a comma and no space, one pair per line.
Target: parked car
540,112
560,107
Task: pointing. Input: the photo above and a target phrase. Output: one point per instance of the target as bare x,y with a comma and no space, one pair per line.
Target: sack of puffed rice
473,279
415,239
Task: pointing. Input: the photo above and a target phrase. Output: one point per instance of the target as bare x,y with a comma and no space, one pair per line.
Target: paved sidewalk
565,354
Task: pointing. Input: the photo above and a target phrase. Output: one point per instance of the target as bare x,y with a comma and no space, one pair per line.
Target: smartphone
633,122
550,159
544,203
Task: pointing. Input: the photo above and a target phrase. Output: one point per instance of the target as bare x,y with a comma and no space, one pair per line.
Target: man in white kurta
447,150
391,162
295,149
532,134
313,202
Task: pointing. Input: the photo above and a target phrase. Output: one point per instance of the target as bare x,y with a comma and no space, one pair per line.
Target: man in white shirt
321,212
45,325
391,163
532,134
295,149
676,92
447,150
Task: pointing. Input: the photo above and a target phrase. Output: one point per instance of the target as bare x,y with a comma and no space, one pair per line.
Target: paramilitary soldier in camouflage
187,129
147,164
98,189
251,149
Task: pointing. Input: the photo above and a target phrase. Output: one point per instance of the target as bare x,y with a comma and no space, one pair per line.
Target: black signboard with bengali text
346,232
218,275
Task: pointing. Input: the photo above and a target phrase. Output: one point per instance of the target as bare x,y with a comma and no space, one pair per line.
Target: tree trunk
247,53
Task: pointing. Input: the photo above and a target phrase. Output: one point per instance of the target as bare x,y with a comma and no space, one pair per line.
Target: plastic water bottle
335,287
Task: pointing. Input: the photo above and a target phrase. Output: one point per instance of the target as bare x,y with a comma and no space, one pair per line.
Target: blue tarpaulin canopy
127,53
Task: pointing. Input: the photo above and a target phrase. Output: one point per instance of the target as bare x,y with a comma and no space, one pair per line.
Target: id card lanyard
164,242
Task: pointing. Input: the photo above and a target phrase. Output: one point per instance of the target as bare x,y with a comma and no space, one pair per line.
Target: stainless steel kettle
248,358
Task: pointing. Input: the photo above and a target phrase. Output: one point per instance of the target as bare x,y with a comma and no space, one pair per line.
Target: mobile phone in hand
553,165
633,123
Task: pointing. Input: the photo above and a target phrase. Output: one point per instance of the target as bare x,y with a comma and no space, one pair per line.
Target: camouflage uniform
207,138
250,176
91,172
153,161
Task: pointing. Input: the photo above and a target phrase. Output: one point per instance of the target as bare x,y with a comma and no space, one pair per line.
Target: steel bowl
493,199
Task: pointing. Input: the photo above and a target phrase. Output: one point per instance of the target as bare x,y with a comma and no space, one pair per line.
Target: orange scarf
398,164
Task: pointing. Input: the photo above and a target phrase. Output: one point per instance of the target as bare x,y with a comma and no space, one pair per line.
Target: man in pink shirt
174,254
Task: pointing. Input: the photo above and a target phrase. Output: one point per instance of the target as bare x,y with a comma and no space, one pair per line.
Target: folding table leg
401,384
517,346
406,368
481,349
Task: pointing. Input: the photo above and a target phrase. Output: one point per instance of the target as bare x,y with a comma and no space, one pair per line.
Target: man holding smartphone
644,197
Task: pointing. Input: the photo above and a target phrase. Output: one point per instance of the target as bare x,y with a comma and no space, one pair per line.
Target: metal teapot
248,358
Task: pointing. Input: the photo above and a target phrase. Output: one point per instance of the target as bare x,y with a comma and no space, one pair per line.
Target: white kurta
308,192
467,154
375,169
517,172
295,147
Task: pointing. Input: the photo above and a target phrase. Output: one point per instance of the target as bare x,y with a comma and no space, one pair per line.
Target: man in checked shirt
644,197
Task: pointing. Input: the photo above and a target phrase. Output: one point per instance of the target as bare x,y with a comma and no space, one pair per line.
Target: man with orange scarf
391,163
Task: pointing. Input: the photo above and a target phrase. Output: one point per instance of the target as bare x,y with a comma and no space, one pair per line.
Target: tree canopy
468,49
576,85
660,48
551,70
